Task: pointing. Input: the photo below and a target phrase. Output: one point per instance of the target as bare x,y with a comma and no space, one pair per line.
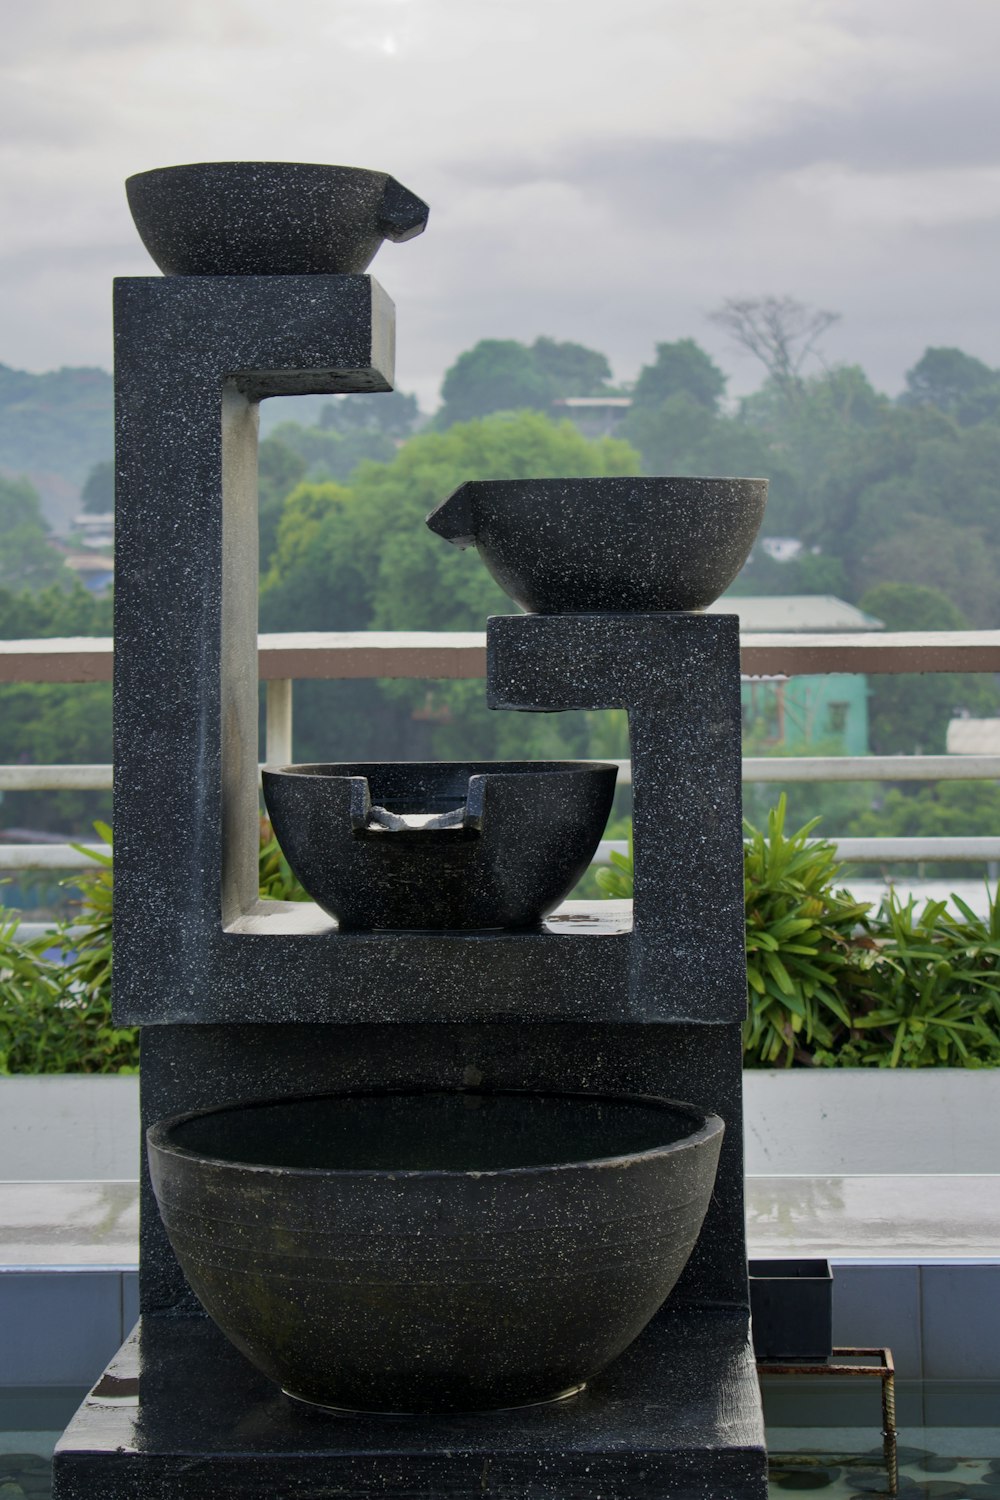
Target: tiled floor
959,1463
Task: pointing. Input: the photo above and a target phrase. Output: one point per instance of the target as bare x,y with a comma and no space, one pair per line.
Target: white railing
284,659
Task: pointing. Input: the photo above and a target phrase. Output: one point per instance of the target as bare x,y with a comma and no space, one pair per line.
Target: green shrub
807,961
275,878
56,1017
936,999
829,984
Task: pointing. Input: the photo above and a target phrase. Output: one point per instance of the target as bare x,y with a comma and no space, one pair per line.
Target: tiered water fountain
436,1243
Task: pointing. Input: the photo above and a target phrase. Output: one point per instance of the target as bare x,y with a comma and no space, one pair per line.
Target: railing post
278,722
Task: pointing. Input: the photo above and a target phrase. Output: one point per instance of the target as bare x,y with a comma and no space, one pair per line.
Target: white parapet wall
854,1121
72,1127
813,1122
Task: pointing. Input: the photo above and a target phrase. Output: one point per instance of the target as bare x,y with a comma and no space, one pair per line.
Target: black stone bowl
431,845
434,1251
269,218
607,546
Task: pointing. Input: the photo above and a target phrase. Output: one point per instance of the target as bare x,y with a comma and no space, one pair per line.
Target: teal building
823,715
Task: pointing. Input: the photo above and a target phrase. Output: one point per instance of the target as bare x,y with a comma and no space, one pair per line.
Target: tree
279,470
779,331
571,369
909,715
959,562
495,375
53,428
947,809
98,493
27,558
504,375
956,383
680,369
392,413
43,722
836,438
676,424
362,558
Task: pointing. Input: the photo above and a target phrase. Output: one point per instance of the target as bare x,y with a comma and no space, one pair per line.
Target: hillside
53,428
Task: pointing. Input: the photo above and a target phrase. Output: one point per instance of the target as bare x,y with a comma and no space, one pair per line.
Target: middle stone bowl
641,544
434,1251
470,845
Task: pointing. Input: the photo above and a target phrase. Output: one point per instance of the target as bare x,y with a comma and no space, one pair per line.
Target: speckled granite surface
181,1416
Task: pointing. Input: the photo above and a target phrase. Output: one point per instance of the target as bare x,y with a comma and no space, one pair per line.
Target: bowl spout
403,215
455,518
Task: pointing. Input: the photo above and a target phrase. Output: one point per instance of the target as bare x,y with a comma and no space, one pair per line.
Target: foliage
804,959
275,878
56,1016
832,985
504,375
956,383
360,557
936,997
571,369
98,493
54,722
616,880
53,428
32,1022
779,331
909,714
55,991
679,369
31,614
27,558
394,414
279,470
945,809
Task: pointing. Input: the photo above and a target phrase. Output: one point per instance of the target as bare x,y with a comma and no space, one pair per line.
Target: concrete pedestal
179,1415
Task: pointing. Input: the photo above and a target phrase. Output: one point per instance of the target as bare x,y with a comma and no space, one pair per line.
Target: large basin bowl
266,218
614,546
432,845
434,1251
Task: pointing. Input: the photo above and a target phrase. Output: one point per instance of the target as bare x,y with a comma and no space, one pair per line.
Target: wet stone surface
27,1476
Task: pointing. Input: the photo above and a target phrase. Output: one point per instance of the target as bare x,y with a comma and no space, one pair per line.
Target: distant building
596,416
94,530
94,572
782,548
967,736
803,715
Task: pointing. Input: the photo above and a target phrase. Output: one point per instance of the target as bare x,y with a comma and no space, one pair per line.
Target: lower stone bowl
406,845
618,546
431,1251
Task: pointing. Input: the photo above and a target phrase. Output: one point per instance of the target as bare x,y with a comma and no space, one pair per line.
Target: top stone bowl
607,546
267,218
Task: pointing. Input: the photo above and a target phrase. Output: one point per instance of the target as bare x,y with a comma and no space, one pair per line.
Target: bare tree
779,331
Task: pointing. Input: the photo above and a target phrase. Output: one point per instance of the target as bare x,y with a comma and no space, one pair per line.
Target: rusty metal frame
885,1371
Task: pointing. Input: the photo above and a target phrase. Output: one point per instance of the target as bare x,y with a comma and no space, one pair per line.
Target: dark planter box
792,1306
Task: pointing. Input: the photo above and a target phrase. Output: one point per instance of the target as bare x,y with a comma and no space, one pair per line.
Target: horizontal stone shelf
286,962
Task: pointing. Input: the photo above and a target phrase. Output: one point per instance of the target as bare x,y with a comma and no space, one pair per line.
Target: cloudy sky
599,170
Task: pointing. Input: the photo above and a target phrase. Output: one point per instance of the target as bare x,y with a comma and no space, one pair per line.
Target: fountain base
180,1415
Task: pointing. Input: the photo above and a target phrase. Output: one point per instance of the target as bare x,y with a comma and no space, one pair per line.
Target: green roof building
802,715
